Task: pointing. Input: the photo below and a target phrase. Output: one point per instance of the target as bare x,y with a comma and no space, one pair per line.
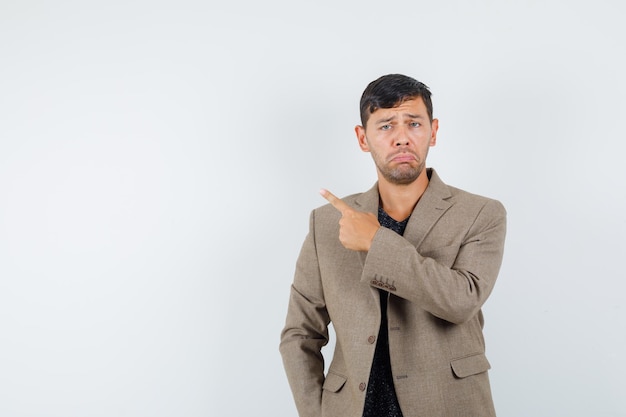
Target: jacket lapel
431,206
368,202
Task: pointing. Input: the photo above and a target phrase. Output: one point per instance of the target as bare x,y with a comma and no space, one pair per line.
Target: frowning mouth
403,157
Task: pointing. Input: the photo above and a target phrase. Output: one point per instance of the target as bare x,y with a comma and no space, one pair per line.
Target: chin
403,181
403,178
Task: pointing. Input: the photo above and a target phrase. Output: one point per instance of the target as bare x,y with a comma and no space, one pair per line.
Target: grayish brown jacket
438,276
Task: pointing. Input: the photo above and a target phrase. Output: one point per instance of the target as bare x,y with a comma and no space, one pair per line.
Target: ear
360,136
434,126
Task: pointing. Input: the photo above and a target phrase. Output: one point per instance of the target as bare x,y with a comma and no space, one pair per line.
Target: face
398,139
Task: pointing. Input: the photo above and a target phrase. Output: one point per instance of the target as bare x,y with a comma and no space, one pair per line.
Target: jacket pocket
470,365
334,382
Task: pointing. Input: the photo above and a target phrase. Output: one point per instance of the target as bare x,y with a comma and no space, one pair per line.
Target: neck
398,201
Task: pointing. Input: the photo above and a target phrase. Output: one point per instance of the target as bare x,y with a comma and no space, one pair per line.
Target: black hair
391,90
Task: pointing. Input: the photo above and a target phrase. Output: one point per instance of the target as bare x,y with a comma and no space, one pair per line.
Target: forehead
408,108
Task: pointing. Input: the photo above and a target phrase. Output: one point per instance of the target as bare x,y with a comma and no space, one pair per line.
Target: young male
402,272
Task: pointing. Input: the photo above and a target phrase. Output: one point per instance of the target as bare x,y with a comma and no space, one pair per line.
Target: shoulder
465,200
469,199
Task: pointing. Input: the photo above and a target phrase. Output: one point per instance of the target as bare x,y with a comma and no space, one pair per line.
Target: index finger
335,201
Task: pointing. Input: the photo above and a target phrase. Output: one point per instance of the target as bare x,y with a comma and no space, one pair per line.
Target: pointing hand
356,228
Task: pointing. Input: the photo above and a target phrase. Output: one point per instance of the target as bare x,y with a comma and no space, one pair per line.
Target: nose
402,139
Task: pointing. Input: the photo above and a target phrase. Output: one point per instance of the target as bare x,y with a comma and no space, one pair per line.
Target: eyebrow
407,115
388,119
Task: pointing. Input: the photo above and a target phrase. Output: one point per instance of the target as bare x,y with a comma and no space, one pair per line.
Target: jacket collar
431,206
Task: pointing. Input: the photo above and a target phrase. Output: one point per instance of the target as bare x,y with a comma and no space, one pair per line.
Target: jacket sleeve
306,331
452,282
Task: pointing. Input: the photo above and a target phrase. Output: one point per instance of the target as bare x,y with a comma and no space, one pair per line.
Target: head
397,127
389,91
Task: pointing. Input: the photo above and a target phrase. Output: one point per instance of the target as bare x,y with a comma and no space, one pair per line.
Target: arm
452,283
306,331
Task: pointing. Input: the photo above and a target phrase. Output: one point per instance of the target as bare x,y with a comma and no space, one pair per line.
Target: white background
159,160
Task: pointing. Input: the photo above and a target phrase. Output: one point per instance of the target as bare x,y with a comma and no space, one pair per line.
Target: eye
385,127
414,124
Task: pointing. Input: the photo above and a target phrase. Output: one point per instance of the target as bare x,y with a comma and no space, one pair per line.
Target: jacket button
362,386
371,339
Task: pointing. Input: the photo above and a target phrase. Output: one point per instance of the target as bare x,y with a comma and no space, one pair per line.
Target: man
402,271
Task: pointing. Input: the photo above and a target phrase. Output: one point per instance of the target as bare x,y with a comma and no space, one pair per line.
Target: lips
403,157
